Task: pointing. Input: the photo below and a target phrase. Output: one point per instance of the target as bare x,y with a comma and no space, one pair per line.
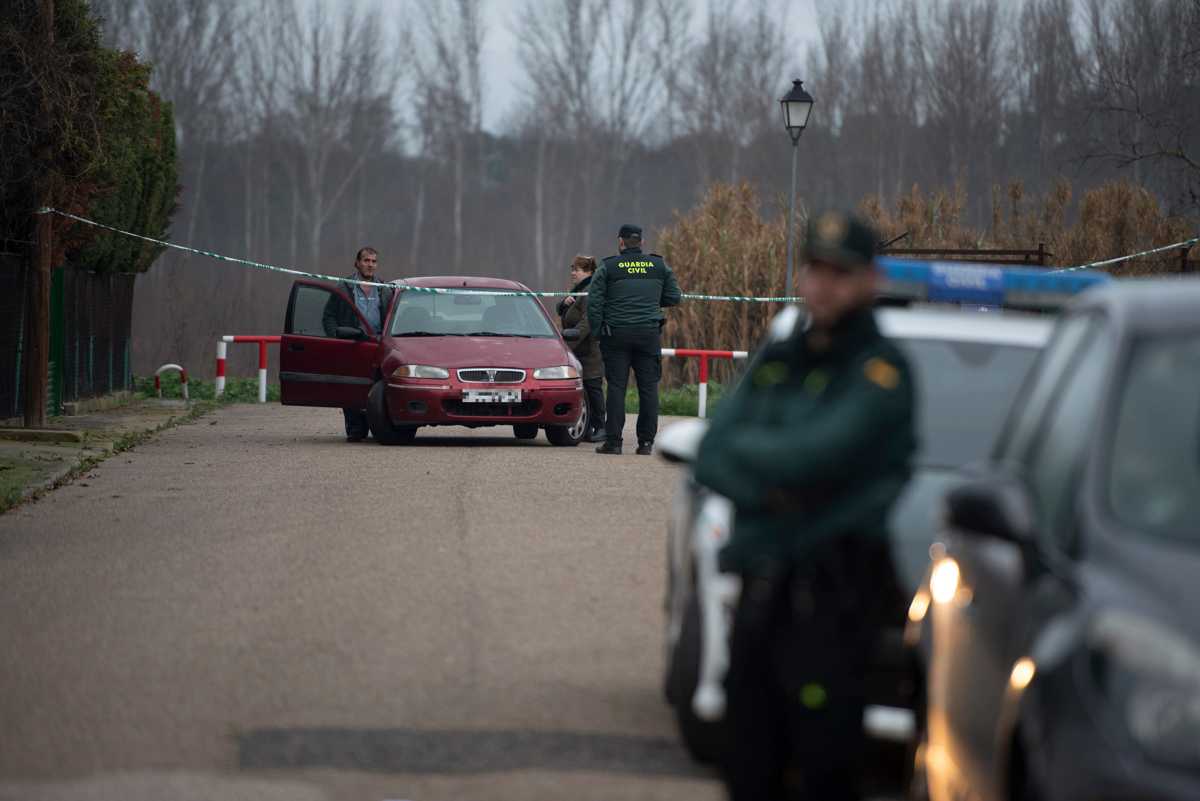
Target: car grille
491,375
527,408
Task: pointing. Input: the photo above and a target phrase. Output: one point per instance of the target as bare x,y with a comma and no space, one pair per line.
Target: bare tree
962,44
728,82
1145,99
334,76
449,91
592,62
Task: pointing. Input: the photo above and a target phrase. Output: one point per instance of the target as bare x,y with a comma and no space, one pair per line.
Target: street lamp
797,106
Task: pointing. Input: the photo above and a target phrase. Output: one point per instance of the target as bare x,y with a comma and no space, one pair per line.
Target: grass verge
237,390
678,401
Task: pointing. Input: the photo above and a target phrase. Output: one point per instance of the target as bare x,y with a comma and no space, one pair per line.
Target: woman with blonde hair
573,313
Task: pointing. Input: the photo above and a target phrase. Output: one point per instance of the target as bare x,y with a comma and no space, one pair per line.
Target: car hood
452,352
916,520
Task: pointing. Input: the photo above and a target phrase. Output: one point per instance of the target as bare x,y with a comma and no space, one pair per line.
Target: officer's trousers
641,349
796,688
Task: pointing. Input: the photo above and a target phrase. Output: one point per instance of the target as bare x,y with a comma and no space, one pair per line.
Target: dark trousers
594,389
796,689
356,423
641,349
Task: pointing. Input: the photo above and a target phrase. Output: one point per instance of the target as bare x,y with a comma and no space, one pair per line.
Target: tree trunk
458,203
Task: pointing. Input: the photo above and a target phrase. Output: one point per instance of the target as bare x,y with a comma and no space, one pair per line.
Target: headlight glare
560,373
420,371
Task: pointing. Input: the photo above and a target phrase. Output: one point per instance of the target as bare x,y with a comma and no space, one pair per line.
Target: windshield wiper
496,334
424,334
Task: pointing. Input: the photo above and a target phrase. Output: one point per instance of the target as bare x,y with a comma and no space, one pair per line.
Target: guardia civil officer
625,302
813,448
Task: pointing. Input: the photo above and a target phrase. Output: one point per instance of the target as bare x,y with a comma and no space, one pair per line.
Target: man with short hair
813,448
625,302
371,303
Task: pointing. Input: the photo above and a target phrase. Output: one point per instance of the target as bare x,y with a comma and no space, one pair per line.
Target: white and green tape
408,287
1185,244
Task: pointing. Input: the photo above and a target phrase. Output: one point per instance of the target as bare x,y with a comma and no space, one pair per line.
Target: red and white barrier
704,356
222,349
182,379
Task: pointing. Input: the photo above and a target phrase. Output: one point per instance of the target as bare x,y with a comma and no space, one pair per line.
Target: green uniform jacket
629,291
811,445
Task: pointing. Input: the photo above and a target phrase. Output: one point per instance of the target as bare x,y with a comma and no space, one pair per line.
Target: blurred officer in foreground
372,304
625,302
812,448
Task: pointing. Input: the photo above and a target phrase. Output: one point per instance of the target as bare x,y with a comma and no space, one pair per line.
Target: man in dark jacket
625,303
370,305
812,448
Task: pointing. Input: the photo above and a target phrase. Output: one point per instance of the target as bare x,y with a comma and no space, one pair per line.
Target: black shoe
597,436
356,436
645,448
610,447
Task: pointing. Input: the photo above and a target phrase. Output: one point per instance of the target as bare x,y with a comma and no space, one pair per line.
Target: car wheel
569,436
525,430
703,739
382,428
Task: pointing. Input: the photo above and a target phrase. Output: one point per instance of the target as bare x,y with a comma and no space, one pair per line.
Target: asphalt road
249,607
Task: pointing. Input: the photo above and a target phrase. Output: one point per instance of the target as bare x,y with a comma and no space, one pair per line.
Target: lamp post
797,106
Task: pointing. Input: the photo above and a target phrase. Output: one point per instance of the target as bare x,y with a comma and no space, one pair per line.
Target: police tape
1185,244
407,287
1188,243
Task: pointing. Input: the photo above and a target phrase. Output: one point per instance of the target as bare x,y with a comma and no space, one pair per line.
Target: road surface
250,607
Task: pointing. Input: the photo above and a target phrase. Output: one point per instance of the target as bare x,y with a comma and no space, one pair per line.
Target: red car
473,358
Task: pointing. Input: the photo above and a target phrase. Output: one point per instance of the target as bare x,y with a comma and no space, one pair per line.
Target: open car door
319,364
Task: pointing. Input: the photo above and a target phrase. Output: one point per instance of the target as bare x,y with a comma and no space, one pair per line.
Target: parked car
968,365
471,354
1062,615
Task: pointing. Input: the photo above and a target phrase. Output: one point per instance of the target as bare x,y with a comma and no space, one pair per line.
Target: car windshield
481,313
1154,467
964,391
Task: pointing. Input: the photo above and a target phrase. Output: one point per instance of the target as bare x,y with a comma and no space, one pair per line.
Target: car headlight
1152,676
420,371
556,373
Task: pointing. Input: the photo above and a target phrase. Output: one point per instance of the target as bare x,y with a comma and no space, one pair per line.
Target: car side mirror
680,442
571,335
350,332
997,506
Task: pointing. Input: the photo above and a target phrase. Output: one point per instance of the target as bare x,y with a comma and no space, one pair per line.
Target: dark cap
840,238
630,231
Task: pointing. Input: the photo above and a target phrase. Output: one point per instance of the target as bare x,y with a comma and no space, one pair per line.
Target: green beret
840,238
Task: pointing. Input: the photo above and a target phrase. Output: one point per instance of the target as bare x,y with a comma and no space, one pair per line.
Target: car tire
703,739
525,430
380,422
569,436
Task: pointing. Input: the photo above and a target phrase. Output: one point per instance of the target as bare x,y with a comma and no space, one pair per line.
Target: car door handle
295,346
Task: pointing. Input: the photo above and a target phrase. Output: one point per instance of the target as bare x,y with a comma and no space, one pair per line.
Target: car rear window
1154,463
459,314
964,391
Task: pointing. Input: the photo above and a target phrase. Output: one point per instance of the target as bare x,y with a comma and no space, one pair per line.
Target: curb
94,451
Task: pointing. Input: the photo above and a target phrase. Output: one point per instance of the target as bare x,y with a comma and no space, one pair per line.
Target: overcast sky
502,71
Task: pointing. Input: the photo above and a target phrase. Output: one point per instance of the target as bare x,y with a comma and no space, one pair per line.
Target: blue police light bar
982,284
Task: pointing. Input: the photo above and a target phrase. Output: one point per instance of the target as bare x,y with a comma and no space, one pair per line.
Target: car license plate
491,396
